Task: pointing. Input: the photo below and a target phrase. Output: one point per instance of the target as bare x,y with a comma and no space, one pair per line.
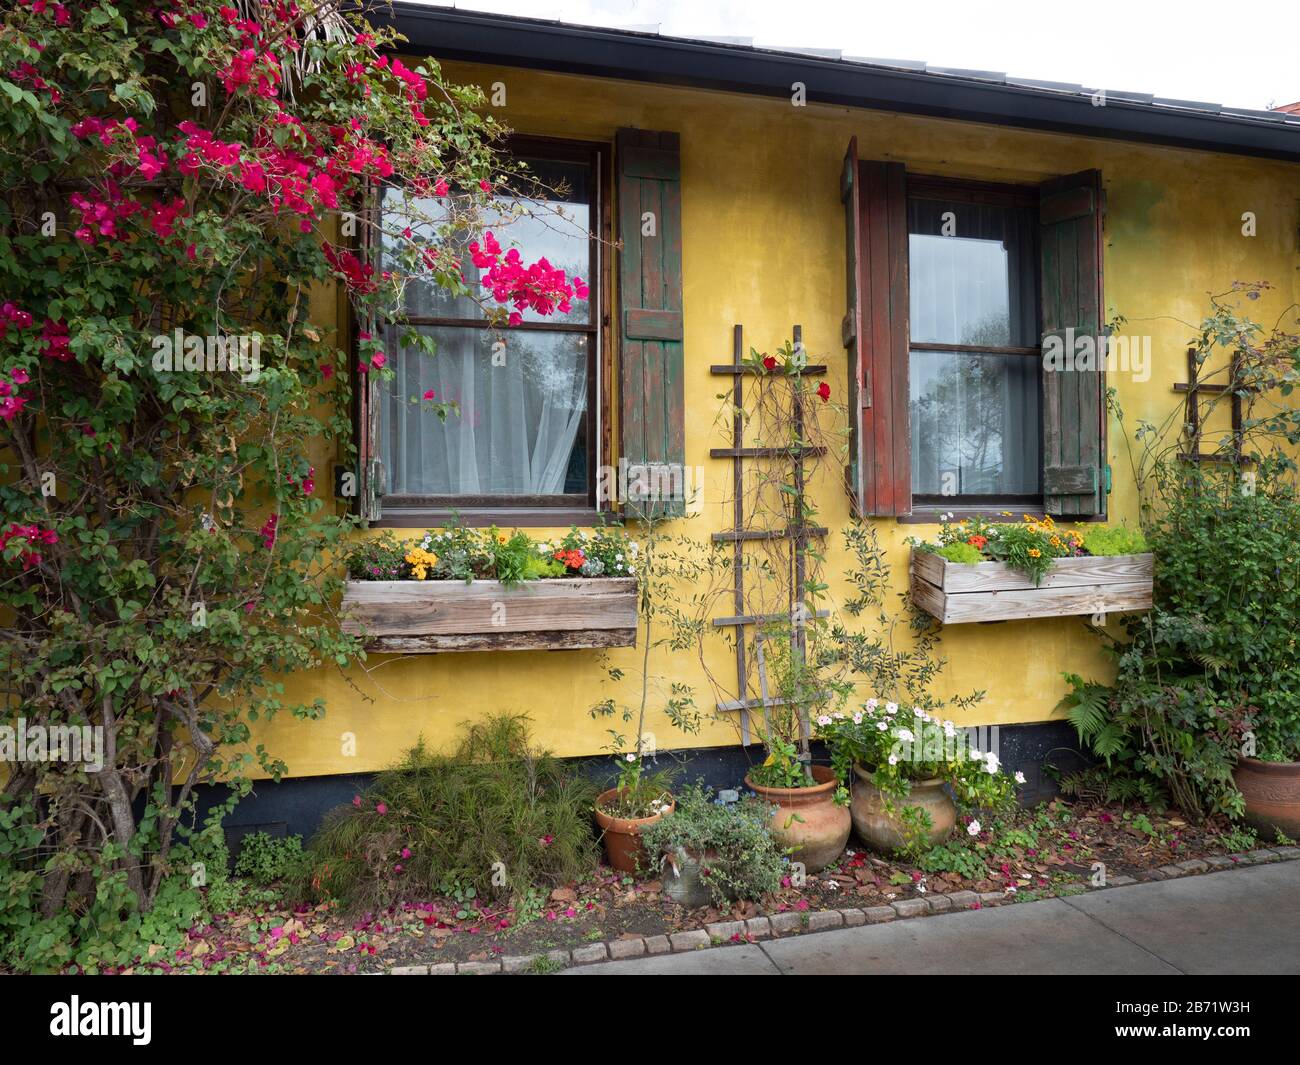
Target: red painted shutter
875,332
652,410
1070,224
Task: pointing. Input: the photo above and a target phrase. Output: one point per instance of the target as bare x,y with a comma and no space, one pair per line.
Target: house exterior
770,177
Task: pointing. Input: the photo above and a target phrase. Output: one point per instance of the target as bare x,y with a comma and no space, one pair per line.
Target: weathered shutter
371,484
1070,224
875,332
652,409
370,481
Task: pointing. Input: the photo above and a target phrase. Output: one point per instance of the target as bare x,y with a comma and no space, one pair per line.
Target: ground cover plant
493,819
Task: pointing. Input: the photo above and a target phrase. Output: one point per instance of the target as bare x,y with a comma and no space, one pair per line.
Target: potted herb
905,769
708,852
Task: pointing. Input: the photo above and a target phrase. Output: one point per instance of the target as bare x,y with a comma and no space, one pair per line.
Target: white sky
1241,54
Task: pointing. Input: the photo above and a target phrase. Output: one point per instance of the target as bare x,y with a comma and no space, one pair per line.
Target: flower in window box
421,561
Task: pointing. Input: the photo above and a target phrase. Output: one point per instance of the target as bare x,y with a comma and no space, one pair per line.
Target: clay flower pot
1272,794
622,835
882,830
808,820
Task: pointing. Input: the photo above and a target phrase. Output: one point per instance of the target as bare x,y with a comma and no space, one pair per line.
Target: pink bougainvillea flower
441,188
378,359
485,185
431,394
356,801
769,362
381,808
824,390
406,852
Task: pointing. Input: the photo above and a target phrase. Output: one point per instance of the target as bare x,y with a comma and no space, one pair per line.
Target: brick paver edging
790,922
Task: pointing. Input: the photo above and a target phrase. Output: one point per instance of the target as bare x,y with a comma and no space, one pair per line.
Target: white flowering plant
897,747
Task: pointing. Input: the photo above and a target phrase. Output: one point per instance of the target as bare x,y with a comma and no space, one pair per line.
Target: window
526,435
974,374
951,288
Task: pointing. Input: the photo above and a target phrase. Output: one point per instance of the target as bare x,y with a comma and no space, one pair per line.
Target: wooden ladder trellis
1195,388
739,535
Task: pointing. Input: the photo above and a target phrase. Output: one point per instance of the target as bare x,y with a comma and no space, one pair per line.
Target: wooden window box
993,591
426,617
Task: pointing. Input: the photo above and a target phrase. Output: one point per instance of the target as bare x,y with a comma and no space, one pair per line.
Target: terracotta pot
808,820
622,835
881,830
1272,793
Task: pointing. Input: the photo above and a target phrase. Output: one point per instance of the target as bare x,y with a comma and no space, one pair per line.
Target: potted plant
640,798
1268,771
708,852
808,818
907,770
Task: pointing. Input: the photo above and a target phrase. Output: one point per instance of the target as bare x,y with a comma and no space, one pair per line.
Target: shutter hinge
864,392
1105,479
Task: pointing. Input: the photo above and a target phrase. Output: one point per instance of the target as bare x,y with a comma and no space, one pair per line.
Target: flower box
425,617
993,591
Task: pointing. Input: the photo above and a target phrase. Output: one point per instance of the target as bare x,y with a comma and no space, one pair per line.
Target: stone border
790,922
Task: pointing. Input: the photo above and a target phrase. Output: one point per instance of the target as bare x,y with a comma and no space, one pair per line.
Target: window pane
975,424
522,427
563,241
978,284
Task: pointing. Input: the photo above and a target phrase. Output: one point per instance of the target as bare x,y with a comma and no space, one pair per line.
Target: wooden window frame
927,508
410,510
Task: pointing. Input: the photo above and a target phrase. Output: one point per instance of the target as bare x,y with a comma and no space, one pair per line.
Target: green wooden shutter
1070,224
652,409
875,332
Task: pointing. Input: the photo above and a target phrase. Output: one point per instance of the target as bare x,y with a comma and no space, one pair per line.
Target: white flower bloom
973,829
629,758
882,725
1020,777
918,712
891,708
630,571
948,730
905,734
992,763
975,754
857,719
871,704
824,720
893,759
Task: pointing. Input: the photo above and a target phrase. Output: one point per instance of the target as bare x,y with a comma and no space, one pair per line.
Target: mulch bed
1038,853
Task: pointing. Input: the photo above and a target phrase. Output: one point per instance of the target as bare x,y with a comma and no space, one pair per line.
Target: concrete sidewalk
1238,921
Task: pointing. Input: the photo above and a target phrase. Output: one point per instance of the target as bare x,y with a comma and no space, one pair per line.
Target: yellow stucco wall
764,246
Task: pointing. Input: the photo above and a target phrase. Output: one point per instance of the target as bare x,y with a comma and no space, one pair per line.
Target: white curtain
521,407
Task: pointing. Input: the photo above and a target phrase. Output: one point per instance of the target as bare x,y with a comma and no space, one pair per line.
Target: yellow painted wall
764,246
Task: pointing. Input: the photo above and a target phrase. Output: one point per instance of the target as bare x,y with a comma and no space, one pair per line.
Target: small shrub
744,860
264,859
493,810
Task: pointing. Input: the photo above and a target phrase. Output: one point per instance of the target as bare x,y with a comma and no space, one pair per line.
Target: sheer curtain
521,407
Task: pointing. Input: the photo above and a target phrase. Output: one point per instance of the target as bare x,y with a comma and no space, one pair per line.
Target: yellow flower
1034,552
501,538
421,561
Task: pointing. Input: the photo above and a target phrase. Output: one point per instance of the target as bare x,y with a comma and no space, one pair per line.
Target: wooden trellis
1192,426
798,532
